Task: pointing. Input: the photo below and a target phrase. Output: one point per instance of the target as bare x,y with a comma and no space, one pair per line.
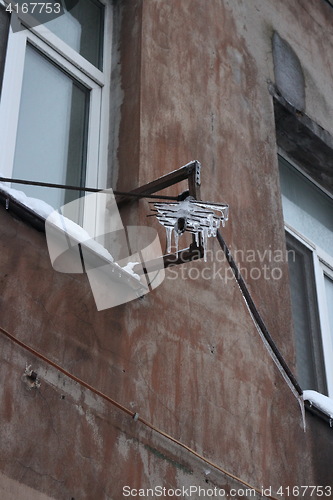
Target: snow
323,403
38,206
169,230
68,226
78,233
129,269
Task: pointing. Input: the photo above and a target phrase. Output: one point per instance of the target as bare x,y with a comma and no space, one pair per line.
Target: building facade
176,389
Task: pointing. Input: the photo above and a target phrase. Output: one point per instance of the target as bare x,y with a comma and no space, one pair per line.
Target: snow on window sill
323,405
37,211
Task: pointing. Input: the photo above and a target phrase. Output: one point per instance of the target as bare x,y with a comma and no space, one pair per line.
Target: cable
87,189
129,412
263,331
256,315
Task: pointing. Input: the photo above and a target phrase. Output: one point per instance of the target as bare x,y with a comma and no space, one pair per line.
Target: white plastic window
308,215
54,102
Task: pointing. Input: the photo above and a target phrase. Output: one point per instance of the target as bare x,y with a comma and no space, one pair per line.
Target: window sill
37,221
22,211
320,405
310,407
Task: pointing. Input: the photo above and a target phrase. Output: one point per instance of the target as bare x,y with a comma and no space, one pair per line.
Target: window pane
304,358
81,27
329,298
4,27
306,207
52,131
309,353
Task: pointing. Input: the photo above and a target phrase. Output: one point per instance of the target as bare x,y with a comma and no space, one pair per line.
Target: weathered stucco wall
194,85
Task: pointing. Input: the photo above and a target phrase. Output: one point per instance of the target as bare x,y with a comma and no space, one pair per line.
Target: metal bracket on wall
190,172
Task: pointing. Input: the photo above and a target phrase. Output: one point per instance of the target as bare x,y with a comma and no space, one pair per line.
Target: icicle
211,225
176,240
204,234
196,228
196,236
168,237
301,404
191,215
215,227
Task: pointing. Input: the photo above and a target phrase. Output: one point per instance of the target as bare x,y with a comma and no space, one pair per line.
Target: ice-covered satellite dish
197,217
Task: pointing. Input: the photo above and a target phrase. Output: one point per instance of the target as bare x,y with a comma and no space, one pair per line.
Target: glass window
51,139
55,102
4,28
329,301
81,27
308,213
309,351
305,207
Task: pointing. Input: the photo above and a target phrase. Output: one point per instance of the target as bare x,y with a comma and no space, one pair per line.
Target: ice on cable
199,218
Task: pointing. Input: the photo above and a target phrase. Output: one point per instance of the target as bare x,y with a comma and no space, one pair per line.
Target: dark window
309,350
4,28
307,211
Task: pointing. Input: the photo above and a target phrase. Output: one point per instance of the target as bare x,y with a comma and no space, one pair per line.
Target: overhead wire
263,331
276,355
255,312
88,189
255,315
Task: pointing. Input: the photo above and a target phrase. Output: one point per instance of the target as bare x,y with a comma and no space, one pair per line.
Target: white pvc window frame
322,264
96,81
